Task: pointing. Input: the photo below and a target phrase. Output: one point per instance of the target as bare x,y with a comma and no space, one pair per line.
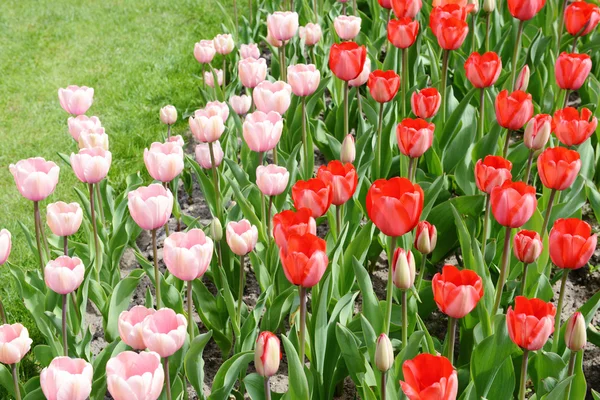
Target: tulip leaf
119,301
194,363
371,308
298,389
228,374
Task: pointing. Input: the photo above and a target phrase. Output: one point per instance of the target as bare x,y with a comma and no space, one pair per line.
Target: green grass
137,55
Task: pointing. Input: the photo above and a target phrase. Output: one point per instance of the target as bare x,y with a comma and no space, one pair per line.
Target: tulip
342,178
525,10
303,79
130,325
363,77
452,33
82,123
581,18
527,246
571,243
491,172
283,25
91,165
224,43
347,27
310,33
406,8
168,115
63,219
35,178
558,167
203,155
403,272
164,161
262,131
67,378
489,6
95,137
240,104
446,11
272,41
249,50
348,150
387,4
64,275
164,332
14,343
288,222
384,353
272,180
313,194
441,3
573,128
205,126
414,136
425,103
483,70
5,245
204,51
402,32
425,237
571,70
135,376
513,111
575,333
346,60
76,100
187,255
241,236
523,79
537,132
217,108
267,354
383,85
513,203
272,96
209,78
429,377
252,71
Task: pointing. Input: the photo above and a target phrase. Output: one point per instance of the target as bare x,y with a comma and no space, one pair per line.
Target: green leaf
370,304
297,379
120,299
228,374
194,363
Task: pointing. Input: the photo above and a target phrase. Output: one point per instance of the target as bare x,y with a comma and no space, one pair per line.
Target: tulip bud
348,151
425,237
475,4
267,354
403,269
575,334
523,79
384,353
489,5
537,132
168,115
216,230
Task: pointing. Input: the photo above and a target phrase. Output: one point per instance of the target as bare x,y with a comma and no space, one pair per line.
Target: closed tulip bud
403,269
91,165
384,353
522,82
224,43
67,378
164,332
311,34
209,78
63,219
425,237
475,4
203,155
5,245
527,246
14,343
249,50
216,230
76,100
575,332
267,354
347,27
537,132
241,236
348,150
168,115
489,6
425,103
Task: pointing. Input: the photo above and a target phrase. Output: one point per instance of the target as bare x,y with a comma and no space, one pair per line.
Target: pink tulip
262,131
241,237
76,100
347,27
203,155
82,123
267,354
217,108
67,378
249,50
304,79
91,165
271,40
188,254
14,343
224,43
283,25
135,376
130,326
176,139
168,115
272,96
537,132
209,78
252,71
95,137
240,104
64,219
206,127
64,275
5,245
348,150
164,161
35,177
204,51
150,206
164,332
363,77
272,180
522,81
311,34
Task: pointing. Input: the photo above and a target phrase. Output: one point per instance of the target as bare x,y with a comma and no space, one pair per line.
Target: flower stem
156,271
167,377
524,279
548,212
404,83
503,271
421,272
378,150
404,301
241,294
315,11
487,31
570,371
282,55
359,100
36,214
98,256
561,24
451,338
235,16
473,34
66,245
307,172
224,75
268,386
486,221
302,335
3,313
189,310
346,124
390,289
481,114
528,170
168,131
166,186
269,216
215,179
64,326
443,84
515,59
250,8
99,205
411,163
16,381
203,78
559,306
338,220
383,385
523,375
566,100
506,144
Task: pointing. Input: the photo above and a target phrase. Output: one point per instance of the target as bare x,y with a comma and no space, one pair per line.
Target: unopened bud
537,132
575,332
403,269
523,80
168,115
489,5
216,230
384,353
527,246
475,4
348,151
267,354
425,237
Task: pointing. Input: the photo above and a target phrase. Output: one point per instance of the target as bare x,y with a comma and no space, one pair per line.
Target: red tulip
571,70
394,205
571,243
572,128
452,32
456,292
406,8
537,132
513,203
305,259
531,322
414,136
346,60
429,377
445,12
402,32
290,222
580,14
313,194
483,70
558,167
527,246
341,177
426,102
425,237
525,9
513,110
383,85
491,172
387,4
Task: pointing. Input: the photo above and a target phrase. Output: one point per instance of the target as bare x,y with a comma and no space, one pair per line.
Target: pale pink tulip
35,177
311,34
176,139
91,165
135,376
164,161
5,245
267,354
523,79
91,138
240,104
241,236
271,40
283,25
164,332
272,96
67,378
206,127
150,206
363,77
76,100
64,219
82,123
252,71
224,43
14,343
348,150
130,326
203,155
168,115
262,131
204,51
188,254
209,78
347,27
304,79
249,50
272,179
64,275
